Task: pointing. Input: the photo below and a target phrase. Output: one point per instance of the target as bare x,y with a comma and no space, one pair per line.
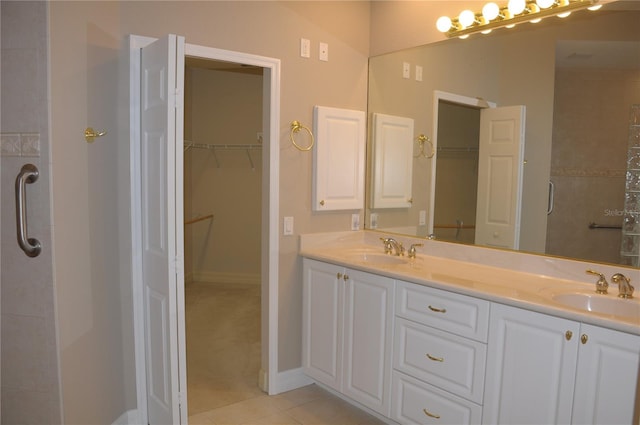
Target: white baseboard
130,417
289,380
216,277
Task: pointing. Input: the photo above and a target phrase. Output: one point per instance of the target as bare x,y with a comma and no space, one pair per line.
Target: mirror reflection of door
478,177
457,172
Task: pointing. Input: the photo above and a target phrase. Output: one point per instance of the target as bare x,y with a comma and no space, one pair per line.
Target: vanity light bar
517,11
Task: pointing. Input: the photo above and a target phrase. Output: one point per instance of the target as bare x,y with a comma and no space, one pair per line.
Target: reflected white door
500,162
161,127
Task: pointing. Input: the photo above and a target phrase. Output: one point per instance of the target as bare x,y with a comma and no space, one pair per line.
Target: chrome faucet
601,284
625,290
392,246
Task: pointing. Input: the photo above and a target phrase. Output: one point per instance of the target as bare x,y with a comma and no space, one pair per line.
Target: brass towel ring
422,139
295,128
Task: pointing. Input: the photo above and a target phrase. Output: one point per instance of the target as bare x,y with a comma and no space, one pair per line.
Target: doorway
222,234
161,370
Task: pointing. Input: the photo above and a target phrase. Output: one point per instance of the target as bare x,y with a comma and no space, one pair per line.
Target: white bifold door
161,163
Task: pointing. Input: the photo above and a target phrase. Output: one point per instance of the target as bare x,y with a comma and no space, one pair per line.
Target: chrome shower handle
28,174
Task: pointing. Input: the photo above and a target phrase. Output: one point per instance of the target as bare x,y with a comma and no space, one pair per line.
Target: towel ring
295,128
422,139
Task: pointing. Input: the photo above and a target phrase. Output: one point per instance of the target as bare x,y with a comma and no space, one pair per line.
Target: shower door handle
552,194
28,174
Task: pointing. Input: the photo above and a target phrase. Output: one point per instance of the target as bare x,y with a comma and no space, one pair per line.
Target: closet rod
197,219
188,145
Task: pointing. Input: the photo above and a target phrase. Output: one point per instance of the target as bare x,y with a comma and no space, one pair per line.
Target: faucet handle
625,290
412,250
601,284
388,248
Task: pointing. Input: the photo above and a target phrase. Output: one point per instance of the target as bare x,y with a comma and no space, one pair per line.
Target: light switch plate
288,226
355,221
323,53
406,70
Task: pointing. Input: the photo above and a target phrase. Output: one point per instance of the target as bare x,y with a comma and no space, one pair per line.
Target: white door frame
270,208
474,102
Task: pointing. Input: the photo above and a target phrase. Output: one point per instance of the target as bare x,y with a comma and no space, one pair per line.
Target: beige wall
225,109
88,180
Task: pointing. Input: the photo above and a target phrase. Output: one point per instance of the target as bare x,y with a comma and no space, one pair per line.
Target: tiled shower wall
30,380
630,249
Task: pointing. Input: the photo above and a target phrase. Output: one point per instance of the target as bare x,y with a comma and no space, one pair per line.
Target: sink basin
379,258
604,304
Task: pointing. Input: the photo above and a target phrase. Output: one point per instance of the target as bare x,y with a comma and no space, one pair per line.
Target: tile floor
223,360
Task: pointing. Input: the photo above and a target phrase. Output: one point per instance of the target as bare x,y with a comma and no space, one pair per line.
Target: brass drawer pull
435,359
438,310
584,338
431,415
568,335
339,275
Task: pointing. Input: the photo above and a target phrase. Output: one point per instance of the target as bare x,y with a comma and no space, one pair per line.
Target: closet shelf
224,147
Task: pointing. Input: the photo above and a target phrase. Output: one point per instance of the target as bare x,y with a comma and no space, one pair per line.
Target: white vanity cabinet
545,369
439,356
347,332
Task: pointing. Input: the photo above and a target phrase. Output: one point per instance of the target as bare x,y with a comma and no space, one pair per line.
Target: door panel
500,164
161,131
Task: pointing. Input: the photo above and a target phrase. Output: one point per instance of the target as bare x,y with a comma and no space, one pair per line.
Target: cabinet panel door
321,322
607,377
368,318
338,159
530,367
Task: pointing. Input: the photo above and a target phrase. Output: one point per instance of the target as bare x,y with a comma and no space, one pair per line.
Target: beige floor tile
247,411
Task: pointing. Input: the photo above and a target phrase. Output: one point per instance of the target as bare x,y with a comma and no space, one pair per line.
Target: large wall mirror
576,81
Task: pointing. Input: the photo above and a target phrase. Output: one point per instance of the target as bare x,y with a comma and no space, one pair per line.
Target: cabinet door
368,319
338,160
530,368
322,322
392,161
607,377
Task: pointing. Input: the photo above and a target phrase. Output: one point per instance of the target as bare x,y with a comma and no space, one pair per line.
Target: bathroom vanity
440,339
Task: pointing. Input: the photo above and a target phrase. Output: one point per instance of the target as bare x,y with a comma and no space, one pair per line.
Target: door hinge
177,98
178,265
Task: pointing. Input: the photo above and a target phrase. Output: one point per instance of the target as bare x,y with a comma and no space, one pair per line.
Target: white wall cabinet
338,159
392,161
347,332
545,369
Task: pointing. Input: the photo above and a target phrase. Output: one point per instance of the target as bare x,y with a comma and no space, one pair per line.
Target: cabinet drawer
462,315
416,402
445,360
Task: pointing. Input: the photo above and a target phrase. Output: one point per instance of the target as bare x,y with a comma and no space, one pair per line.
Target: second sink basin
370,257
604,304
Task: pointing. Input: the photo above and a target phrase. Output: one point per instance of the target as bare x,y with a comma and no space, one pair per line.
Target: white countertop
482,278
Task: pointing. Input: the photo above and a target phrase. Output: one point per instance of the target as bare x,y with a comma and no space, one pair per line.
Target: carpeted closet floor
223,361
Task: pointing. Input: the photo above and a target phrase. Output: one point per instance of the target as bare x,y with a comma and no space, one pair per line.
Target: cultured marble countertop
481,274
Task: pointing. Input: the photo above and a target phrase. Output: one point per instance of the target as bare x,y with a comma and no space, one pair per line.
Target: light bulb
516,7
486,31
535,21
443,24
563,15
595,7
462,37
545,3
490,11
466,18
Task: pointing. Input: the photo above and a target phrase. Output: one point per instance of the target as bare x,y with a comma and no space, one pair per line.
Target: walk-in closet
222,233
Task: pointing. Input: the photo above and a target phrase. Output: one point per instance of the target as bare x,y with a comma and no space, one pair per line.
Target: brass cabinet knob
568,335
584,338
